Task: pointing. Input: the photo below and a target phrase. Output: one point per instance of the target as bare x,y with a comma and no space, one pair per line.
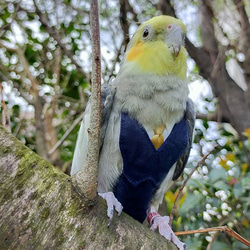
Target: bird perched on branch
147,125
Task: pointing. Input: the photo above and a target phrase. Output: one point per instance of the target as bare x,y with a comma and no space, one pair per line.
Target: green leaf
237,190
221,185
218,245
192,200
217,174
246,183
193,243
246,199
196,183
205,124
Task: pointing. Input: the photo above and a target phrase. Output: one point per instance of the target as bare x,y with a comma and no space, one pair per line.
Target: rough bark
39,209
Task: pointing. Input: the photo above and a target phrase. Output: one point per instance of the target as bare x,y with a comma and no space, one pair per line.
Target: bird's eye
169,26
145,33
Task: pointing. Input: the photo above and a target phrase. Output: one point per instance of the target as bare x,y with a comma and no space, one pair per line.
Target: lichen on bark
39,209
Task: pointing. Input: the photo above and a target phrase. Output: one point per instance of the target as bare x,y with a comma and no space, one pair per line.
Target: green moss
16,147
8,194
25,216
59,236
62,205
20,194
33,195
54,175
106,244
5,150
45,213
83,245
79,230
92,238
41,202
33,171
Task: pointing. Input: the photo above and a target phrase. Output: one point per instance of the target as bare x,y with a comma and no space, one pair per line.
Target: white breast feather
152,101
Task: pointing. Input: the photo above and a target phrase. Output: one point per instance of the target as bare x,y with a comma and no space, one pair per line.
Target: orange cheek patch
134,52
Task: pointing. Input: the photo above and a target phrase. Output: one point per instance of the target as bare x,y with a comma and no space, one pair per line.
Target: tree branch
25,65
66,134
184,184
244,40
215,117
223,229
244,20
124,22
125,7
40,209
166,8
57,70
26,72
85,181
13,18
52,32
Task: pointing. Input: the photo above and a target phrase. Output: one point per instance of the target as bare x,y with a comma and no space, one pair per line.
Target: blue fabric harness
144,167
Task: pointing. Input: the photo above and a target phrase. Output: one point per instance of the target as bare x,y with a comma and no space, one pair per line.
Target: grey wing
107,97
80,153
190,118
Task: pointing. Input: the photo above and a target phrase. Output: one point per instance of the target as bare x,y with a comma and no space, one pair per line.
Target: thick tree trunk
39,209
40,128
234,102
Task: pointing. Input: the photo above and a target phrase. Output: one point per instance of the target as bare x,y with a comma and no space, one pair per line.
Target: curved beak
174,38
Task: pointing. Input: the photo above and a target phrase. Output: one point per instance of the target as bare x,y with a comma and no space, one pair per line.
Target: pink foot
112,204
162,223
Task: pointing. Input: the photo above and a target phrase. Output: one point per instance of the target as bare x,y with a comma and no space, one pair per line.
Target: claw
161,222
112,204
110,214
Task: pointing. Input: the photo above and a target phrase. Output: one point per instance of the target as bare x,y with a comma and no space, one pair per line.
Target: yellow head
157,48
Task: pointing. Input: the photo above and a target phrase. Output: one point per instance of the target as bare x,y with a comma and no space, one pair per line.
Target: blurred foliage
63,83
218,193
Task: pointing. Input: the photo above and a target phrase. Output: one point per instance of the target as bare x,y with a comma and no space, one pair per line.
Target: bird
147,125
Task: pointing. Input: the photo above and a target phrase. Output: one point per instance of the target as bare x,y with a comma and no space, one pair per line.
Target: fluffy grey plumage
152,89
151,100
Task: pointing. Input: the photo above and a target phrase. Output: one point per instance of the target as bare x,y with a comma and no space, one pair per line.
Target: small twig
223,229
115,61
184,184
55,34
13,18
85,181
59,143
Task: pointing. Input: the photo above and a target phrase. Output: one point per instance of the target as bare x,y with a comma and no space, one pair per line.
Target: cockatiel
147,125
